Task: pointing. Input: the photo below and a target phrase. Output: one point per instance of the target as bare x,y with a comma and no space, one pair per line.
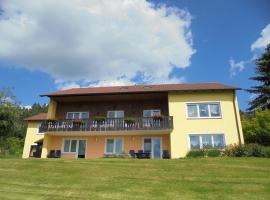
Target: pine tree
262,90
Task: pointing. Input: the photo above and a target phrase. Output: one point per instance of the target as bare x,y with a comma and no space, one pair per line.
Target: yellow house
144,121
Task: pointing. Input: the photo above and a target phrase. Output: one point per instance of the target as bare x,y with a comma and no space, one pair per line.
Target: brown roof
38,117
142,89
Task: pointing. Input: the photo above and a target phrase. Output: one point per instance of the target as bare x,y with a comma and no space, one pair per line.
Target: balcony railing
108,124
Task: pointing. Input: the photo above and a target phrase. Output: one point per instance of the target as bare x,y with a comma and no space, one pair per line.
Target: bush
247,150
196,153
213,152
11,147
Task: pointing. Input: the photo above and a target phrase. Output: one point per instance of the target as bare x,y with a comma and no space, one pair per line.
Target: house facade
155,120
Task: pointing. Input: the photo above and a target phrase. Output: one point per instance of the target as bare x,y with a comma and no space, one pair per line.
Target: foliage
213,152
100,119
12,123
248,150
263,76
129,120
256,129
12,146
196,153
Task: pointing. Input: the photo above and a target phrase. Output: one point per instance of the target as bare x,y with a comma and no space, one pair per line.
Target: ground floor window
70,146
114,146
198,141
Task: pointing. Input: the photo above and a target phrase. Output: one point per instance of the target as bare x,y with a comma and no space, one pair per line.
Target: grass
201,178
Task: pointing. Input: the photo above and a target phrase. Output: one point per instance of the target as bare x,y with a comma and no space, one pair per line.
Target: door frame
77,150
161,145
77,147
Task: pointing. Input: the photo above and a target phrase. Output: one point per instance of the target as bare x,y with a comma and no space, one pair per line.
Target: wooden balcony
108,125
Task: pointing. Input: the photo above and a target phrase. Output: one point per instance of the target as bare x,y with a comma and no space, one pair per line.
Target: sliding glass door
153,145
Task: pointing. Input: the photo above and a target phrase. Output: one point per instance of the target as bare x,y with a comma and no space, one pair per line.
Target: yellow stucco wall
31,137
183,126
52,109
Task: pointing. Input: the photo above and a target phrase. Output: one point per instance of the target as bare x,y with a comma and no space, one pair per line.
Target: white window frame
152,112
208,107
80,114
42,133
200,139
77,146
114,145
115,113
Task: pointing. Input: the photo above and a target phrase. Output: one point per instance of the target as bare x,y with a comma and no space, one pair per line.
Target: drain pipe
236,118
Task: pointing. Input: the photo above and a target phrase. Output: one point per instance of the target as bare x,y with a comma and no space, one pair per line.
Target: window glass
73,146
194,142
69,115
219,141
215,110
109,146
118,146
110,114
147,144
155,113
151,113
66,145
119,114
147,113
76,115
85,115
203,110
206,141
192,110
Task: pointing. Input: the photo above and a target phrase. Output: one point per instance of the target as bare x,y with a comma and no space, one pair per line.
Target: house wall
183,126
31,137
96,144
131,108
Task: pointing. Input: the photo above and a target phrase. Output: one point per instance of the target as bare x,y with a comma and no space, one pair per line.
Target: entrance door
153,145
81,148
156,148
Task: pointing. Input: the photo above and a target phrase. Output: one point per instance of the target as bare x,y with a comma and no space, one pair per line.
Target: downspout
236,118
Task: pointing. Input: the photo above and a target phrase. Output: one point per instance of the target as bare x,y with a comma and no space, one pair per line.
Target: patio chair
147,154
165,154
132,154
140,154
58,154
51,154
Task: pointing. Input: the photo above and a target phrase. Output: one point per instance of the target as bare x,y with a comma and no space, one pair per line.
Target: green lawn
206,178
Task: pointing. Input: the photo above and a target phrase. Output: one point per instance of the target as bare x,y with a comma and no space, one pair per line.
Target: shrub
247,150
196,153
12,146
213,152
236,151
266,152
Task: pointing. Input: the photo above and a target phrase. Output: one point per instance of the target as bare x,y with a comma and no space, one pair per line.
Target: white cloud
236,67
263,40
96,40
28,107
67,85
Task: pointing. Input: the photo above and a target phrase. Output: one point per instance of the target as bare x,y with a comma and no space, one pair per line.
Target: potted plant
99,119
158,117
129,121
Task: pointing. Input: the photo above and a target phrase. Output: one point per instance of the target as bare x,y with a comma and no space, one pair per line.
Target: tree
263,76
256,128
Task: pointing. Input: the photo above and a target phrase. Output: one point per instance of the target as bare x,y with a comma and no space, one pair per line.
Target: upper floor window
115,114
77,115
151,113
203,110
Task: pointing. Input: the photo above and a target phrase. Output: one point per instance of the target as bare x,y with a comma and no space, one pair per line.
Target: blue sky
220,31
